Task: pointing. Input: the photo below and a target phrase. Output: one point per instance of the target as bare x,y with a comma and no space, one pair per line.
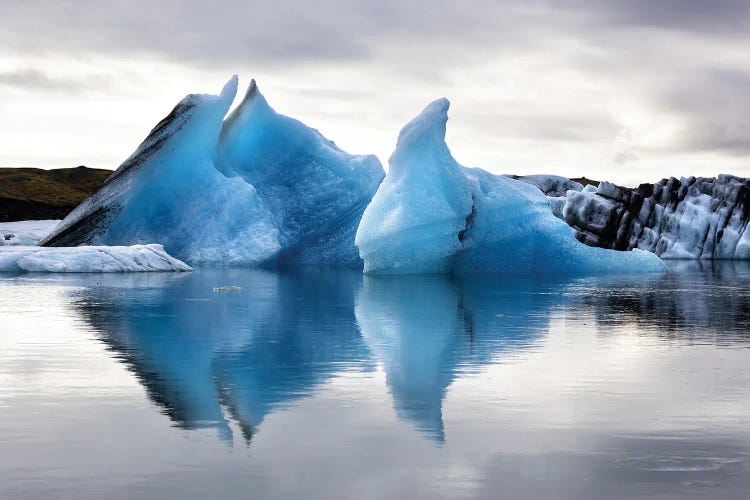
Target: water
334,385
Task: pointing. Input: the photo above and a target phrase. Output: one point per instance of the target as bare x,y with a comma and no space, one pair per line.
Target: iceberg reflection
227,360
426,330
209,359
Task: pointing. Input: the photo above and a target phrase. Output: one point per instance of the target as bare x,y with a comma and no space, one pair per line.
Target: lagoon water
337,385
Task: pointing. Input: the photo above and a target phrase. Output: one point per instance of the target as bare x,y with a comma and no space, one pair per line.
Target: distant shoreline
37,194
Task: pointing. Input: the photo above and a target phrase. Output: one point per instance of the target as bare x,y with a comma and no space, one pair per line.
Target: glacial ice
261,189
170,192
88,259
551,185
256,189
689,218
25,232
431,215
314,191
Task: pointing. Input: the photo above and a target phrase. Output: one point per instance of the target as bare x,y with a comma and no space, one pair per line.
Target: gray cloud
662,52
579,128
228,32
725,16
33,79
715,106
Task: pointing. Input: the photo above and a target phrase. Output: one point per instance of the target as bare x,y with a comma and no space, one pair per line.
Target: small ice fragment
227,289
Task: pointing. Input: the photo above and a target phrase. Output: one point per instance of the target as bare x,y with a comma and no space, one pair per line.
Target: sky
628,91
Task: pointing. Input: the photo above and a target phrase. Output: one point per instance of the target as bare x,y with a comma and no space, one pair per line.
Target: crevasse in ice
430,214
257,189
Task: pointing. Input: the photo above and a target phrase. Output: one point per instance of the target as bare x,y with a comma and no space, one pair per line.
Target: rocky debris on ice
687,218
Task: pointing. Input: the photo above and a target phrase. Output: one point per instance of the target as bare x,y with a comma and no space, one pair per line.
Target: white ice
25,232
552,185
88,259
430,214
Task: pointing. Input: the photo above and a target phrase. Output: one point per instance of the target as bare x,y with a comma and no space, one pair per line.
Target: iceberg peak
429,125
416,219
432,215
229,90
253,102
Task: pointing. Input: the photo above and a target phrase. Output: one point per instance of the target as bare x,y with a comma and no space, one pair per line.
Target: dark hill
36,194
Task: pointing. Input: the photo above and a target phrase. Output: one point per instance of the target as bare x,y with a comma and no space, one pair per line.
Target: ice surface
88,259
315,192
257,189
170,192
688,218
25,232
432,215
551,185
414,220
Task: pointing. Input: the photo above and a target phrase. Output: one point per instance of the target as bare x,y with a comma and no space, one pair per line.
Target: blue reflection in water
425,329
207,359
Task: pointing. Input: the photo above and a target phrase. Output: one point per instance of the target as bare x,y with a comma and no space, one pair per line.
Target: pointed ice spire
413,223
253,102
429,124
229,90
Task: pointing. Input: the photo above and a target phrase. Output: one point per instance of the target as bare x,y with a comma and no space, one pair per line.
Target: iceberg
88,259
170,192
432,215
688,218
257,189
315,192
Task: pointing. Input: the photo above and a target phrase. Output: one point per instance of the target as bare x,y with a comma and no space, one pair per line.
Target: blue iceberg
314,191
432,215
257,189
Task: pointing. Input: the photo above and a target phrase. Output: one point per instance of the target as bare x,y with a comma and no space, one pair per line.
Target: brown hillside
35,194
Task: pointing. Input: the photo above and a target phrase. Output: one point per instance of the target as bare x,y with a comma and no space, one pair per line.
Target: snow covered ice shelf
88,259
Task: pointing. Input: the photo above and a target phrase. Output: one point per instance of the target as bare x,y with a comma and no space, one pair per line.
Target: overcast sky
629,91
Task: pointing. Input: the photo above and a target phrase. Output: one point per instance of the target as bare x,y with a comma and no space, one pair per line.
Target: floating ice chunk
315,192
432,215
170,192
227,289
257,189
88,259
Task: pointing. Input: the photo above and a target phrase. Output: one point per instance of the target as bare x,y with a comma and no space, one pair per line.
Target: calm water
334,385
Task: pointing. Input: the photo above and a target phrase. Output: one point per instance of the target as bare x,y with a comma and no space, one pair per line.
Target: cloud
715,108
33,79
544,82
